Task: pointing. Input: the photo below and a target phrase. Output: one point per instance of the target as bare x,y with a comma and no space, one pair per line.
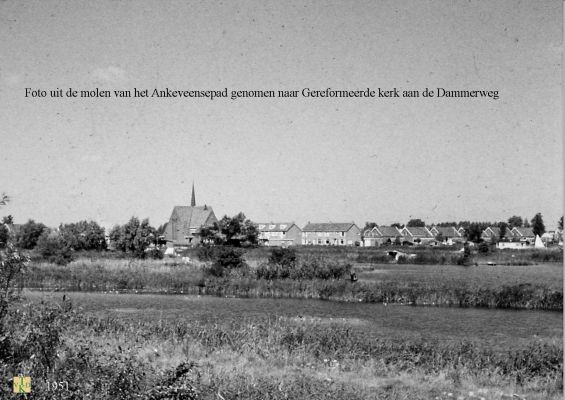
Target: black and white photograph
281,199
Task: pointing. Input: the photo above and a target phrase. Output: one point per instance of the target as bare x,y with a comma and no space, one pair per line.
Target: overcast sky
383,160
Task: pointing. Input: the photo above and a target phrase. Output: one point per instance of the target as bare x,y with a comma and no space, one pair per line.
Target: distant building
493,233
380,235
416,235
279,234
450,234
331,234
523,234
183,228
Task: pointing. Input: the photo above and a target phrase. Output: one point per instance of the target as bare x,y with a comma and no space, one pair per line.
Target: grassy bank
112,355
169,277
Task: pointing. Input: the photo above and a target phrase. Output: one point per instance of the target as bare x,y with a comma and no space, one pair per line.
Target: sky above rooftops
318,160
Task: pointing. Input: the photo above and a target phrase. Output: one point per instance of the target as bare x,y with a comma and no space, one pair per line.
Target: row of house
185,223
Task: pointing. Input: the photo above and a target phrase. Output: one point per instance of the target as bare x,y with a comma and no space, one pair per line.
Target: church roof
191,217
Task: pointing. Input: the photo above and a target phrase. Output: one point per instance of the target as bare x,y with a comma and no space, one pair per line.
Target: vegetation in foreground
131,358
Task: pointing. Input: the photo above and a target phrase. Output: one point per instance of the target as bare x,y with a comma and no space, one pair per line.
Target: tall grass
168,277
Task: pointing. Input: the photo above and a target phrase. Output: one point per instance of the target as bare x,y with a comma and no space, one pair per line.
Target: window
272,226
261,226
283,226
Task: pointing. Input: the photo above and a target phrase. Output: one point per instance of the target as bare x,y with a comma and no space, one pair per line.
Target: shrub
229,257
282,256
311,268
484,247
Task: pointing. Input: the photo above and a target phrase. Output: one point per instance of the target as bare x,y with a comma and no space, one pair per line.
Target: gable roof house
518,238
380,235
523,234
450,234
279,234
416,234
331,234
183,228
493,232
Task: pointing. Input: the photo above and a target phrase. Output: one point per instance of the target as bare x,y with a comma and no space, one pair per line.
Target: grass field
133,341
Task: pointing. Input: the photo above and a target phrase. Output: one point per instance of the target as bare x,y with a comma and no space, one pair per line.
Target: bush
229,257
311,268
484,247
284,257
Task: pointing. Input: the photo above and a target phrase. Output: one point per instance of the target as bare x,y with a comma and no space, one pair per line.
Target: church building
183,228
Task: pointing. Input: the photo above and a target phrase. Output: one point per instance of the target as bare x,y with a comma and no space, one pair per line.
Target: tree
52,247
515,221
503,228
29,234
526,223
8,220
560,223
440,238
236,231
537,225
134,237
416,222
473,232
83,235
369,226
397,225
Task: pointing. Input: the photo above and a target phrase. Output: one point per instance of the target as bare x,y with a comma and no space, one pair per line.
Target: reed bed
170,277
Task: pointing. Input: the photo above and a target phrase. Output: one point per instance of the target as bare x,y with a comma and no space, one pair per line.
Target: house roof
495,230
383,231
448,231
418,231
191,217
523,232
328,227
274,226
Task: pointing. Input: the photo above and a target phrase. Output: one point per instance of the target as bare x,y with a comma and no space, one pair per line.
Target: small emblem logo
22,384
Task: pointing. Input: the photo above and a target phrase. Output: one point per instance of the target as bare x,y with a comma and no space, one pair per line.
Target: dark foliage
284,257
53,248
29,234
83,235
134,238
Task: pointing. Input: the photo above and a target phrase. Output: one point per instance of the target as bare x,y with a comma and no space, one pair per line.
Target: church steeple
193,199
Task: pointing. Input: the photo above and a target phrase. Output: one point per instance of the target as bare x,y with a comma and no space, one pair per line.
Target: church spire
193,199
